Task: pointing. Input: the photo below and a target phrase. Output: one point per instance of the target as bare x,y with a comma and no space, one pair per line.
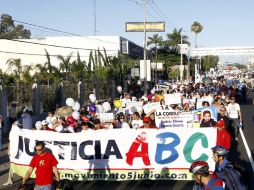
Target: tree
210,61
8,30
65,64
14,65
155,40
79,68
196,27
51,71
174,39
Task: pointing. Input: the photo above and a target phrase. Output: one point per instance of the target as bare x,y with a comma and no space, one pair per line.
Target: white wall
110,43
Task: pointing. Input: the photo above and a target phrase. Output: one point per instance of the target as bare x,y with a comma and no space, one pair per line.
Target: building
32,51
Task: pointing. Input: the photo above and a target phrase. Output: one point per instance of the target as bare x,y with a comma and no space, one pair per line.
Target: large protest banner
117,154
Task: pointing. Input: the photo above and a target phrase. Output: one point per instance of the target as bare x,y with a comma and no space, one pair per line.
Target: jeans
234,123
1,137
44,187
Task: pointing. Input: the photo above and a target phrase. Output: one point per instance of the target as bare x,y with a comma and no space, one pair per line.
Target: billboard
150,27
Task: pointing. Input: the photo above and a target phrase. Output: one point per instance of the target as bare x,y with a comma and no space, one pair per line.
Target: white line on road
247,149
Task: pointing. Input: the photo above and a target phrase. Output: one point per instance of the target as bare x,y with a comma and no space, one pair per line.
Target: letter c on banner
190,144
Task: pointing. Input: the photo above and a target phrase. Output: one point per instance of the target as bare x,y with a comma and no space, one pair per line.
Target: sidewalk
4,168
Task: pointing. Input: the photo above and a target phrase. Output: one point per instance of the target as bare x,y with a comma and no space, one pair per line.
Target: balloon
119,89
99,109
70,120
38,125
92,97
76,106
92,108
152,91
158,97
75,115
69,102
117,103
106,106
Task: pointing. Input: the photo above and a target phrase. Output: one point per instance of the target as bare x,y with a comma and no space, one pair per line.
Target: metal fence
53,96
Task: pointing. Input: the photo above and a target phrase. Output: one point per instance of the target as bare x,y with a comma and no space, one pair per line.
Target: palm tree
65,64
155,40
174,39
14,64
26,76
79,68
196,27
50,70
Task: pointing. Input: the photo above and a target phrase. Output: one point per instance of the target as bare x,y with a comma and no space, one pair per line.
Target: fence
45,98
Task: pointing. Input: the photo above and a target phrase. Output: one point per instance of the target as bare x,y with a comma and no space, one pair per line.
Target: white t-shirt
232,110
125,125
136,124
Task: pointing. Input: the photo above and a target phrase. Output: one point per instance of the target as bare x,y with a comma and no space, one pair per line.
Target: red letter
140,140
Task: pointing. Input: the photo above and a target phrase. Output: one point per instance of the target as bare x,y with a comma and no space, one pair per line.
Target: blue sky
226,23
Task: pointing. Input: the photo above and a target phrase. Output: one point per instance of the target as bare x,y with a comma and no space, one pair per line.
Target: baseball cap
147,120
220,123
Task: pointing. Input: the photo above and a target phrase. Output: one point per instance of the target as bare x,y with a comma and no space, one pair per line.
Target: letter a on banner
133,153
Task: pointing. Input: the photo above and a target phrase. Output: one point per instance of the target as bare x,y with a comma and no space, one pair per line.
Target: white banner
149,107
172,98
122,154
106,117
167,118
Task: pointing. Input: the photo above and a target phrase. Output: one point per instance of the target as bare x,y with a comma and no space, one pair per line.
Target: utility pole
145,64
94,10
181,64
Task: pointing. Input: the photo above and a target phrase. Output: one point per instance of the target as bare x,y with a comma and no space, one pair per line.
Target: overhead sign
150,27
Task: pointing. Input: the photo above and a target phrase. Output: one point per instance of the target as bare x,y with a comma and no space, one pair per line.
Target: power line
34,54
67,47
63,32
161,14
138,4
51,45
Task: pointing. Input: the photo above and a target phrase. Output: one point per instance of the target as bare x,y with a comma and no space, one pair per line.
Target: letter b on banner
161,147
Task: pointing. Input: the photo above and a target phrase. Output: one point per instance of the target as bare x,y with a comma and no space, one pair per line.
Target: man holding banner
45,164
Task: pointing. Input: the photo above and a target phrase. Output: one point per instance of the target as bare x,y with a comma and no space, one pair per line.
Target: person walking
234,114
46,165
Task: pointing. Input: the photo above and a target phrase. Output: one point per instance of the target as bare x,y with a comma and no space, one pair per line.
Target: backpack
232,178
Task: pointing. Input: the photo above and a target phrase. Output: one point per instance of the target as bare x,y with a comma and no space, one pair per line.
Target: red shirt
223,138
44,168
149,127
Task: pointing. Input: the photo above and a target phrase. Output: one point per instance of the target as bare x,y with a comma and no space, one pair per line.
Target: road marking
247,149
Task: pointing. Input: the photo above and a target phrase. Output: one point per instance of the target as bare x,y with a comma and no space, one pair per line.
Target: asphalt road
239,156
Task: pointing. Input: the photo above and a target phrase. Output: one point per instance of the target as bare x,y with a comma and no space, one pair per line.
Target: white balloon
92,98
69,102
75,115
76,106
106,106
99,109
119,89
38,125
